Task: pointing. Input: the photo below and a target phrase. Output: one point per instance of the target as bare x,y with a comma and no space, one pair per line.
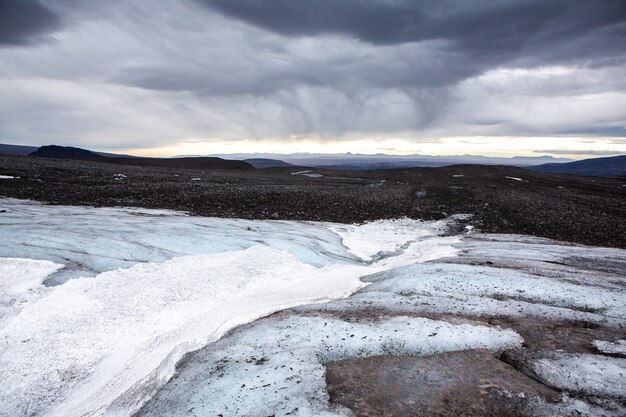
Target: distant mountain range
266,163
68,152
610,166
596,167
17,150
350,161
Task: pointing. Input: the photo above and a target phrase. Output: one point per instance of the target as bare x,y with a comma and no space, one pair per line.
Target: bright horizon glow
509,146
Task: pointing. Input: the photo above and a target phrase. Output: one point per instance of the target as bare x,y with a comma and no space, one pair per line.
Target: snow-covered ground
155,285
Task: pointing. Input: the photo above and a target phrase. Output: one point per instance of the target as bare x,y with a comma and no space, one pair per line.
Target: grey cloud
126,71
23,21
410,44
495,30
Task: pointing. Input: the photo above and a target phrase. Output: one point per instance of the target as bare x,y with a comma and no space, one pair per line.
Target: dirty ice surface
617,348
583,373
516,276
277,366
150,285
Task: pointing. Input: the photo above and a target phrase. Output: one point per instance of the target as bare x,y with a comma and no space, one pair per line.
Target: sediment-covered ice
615,348
583,373
76,348
486,291
276,366
523,277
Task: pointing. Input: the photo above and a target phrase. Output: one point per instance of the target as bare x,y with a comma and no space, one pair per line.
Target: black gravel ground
576,209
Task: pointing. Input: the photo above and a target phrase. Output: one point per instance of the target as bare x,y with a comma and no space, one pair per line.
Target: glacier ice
131,291
277,365
162,284
583,373
89,241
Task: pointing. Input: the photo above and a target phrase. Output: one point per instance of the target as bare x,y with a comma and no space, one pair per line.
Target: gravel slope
502,199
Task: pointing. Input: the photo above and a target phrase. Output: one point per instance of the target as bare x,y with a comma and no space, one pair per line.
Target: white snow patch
617,347
514,178
380,237
458,175
20,275
307,173
20,281
583,373
7,177
196,179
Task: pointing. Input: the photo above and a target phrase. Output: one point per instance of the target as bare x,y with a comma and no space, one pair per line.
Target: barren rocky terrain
501,199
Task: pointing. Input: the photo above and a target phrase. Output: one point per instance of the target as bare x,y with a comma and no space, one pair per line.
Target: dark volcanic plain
577,209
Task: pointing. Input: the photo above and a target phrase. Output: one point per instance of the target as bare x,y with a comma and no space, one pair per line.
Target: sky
438,77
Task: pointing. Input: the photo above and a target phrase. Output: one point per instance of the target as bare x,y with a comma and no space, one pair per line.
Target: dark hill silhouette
267,163
65,152
68,152
595,167
16,150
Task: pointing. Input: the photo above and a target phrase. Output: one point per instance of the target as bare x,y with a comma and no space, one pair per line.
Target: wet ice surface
78,347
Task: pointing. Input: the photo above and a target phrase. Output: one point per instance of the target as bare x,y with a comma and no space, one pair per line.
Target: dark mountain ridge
16,150
267,163
68,152
612,166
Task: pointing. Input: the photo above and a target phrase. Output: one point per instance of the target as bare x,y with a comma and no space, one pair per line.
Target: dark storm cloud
485,29
22,21
126,72
465,38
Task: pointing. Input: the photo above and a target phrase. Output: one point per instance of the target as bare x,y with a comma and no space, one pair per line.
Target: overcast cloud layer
141,74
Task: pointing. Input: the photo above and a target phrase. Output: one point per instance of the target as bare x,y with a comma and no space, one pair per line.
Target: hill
16,150
64,152
595,167
68,152
267,163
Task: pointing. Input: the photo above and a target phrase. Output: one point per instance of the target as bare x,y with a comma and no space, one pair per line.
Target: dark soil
578,209
462,383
